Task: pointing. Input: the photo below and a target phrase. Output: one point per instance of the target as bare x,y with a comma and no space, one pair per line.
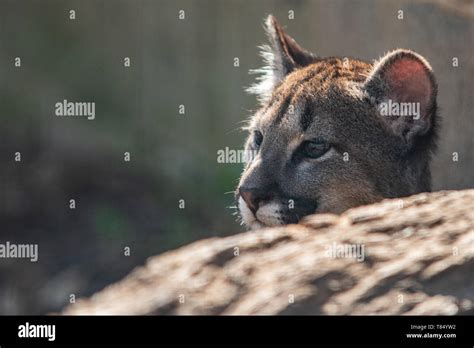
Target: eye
257,138
315,149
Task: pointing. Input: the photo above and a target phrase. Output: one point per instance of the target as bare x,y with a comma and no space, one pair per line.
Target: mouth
272,213
248,217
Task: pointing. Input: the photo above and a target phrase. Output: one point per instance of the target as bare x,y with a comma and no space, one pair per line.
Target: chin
266,216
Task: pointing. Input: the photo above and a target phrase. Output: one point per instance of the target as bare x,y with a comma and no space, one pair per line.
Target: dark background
191,62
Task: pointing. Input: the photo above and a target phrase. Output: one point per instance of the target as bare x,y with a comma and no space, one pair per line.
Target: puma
321,140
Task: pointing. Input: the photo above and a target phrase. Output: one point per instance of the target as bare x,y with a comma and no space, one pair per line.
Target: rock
403,256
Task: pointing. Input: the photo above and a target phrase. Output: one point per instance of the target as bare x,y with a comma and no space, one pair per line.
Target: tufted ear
403,86
281,57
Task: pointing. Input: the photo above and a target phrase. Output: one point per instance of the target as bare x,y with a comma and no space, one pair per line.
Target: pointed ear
281,57
403,86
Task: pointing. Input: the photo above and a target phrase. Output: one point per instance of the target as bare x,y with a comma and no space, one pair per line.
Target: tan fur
333,103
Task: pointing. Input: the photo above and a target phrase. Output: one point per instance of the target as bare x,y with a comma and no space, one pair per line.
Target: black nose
253,196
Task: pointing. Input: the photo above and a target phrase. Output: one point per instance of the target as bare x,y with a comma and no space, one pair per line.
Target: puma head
334,133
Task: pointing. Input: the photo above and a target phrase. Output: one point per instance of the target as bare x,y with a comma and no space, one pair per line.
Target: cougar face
334,133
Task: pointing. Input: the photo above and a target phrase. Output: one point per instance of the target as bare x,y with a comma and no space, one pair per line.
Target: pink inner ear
409,81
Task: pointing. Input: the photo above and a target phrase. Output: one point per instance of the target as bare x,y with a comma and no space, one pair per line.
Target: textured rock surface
419,259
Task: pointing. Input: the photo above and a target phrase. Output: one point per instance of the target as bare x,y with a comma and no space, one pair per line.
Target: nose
253,196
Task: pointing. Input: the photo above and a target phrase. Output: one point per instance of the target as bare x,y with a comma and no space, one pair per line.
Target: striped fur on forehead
294,112
292,100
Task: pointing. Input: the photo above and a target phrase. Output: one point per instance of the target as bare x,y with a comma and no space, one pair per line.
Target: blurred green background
174,62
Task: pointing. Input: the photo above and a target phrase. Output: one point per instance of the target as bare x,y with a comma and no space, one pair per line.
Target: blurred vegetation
173,156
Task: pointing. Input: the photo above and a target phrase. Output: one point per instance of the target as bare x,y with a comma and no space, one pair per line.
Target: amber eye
315,149
257,138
